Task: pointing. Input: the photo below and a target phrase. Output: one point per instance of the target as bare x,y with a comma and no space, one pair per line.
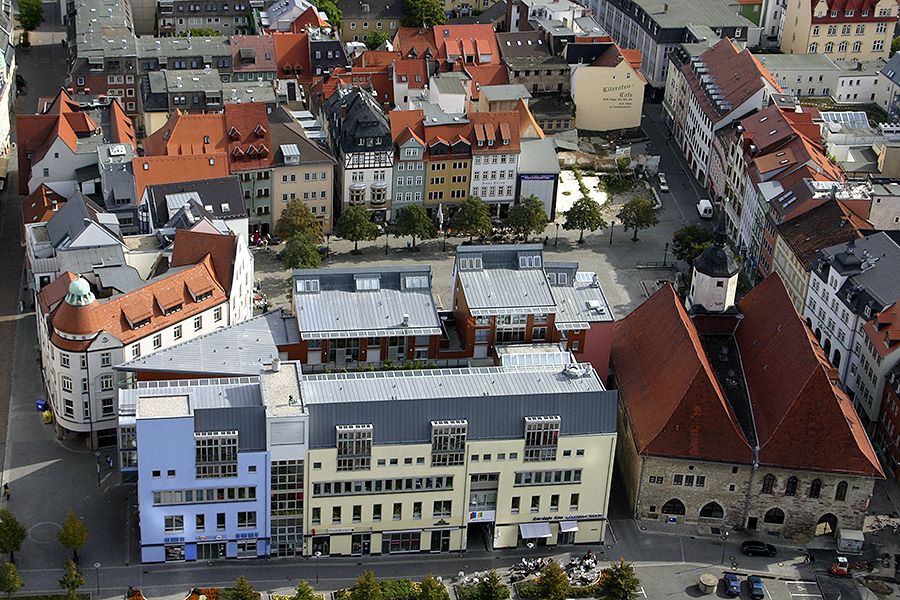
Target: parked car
840,566
754,548
757,590
705,208
663,184
732,584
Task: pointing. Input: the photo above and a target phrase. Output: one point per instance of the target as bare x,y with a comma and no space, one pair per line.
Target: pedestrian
109,461
6,492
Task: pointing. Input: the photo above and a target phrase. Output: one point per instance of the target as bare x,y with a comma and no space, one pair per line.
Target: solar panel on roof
857,119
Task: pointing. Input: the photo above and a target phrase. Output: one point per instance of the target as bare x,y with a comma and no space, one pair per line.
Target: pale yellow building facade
860,33
607,97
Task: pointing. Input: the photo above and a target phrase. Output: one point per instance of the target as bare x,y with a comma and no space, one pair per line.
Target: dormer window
173,309
141,323
529,262
259,131
234,134
307,286
367,283
470,264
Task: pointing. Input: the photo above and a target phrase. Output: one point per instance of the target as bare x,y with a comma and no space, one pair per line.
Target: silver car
663,184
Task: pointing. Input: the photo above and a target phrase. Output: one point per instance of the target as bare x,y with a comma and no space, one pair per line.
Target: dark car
732,584
757,590
754,548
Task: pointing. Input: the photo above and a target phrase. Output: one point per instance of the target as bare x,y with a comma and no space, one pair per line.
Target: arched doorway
827,524
836,361
774,516
712,510
673,507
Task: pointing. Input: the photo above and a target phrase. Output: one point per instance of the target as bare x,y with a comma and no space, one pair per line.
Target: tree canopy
297,218
491,588
619,582
31,14
12,534
242,590
10,582
331,10
74,534
301,252
356,224
375,38
690,241
528,216
553,583
638,213
304,591
71,580
366,588
423,13
413,220
431,589
585,214
473,218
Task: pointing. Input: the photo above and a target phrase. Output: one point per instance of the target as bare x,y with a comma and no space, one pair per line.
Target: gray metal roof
581,302
712,13
872,270
500,286
891,69
74,216
122,278
338,309
512,91
797,62
249,422
494,400
84,260
233,351
538,157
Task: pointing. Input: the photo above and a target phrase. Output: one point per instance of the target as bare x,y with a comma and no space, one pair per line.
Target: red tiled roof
680,410
308,17
377,58
251,123
413,42
37,207
188,134
410,68
177,169
110,316
483,75
192,246
821,227
372,78
292,53
263,47
884,330
803,418
55,291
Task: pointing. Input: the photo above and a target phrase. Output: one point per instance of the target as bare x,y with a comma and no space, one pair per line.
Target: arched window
827,346
774,516
768,484
673,507
791,488
840,494
712,510
818,334
836,361
815,488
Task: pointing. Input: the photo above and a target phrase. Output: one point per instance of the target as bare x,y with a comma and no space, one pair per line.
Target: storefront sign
340,530
482,516
537,177
617,96
585,517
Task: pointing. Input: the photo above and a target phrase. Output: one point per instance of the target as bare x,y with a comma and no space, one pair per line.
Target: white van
705,208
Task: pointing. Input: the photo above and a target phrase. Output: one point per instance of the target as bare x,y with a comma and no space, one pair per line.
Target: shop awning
567,526
531,531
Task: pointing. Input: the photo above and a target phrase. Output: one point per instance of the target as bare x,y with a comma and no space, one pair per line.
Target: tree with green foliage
332,12
74,534
473,218
432,589
301,252
690,241
423,13
355,224
297,218
31,15
304,591
585,214
528,216
375,38
242,590
491,588
10,582
553,583
366,588
413,220
638,213
895,45
71,580
618,582
12,534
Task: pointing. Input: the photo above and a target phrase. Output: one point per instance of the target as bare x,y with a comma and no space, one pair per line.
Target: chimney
276,364
666,7
54,205
406,320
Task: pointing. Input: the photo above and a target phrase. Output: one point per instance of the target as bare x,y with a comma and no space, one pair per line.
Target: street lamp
612,224
97,568
556,242
328,246
724,537
318,555
97,456
665,253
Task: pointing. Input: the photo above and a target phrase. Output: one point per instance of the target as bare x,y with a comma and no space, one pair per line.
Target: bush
467,591
528,590
391,589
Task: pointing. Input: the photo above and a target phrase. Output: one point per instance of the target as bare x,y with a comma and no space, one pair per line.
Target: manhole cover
45,532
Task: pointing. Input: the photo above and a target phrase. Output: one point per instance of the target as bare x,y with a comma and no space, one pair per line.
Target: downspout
637,497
